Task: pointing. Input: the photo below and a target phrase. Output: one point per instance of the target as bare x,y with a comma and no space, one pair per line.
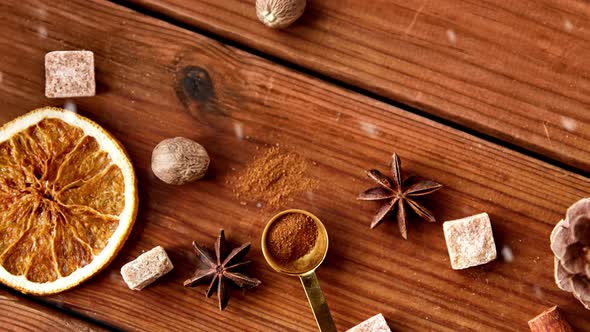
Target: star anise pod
221,269
397,192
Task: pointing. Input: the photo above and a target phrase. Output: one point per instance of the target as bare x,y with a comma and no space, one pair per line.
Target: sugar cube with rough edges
376,323
69,74
470,241
146,268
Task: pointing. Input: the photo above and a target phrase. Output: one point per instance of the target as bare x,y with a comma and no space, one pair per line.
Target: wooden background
499,120
515,70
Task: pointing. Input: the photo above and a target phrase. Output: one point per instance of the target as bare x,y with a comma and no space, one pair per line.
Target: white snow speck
568,26
239,130
369,128
538,291
42,31
451,36
569,124
41,12
71,106
58,300
507,254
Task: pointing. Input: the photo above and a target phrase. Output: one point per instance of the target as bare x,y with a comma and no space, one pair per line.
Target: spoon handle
318,304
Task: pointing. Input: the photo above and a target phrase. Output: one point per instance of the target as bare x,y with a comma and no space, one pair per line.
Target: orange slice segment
68,200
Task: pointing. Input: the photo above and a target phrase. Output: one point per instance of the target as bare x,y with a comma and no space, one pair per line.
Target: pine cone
570,242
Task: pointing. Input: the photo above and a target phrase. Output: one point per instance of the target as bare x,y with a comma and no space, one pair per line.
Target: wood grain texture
515,70
250,104
20,314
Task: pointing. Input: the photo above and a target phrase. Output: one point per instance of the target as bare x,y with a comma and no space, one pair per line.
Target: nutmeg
179,160
279,13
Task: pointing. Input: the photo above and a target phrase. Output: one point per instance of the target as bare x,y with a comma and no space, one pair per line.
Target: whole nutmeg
279,13
179,160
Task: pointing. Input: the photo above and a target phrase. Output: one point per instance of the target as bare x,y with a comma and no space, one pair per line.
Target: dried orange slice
68,199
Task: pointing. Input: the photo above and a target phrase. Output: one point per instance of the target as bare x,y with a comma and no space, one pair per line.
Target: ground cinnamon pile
291,237
273,178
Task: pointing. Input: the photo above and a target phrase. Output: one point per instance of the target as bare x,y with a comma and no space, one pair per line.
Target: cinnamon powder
291,237
273,178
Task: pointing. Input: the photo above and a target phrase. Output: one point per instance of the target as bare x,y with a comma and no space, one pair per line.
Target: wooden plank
21,314
255,104
513,70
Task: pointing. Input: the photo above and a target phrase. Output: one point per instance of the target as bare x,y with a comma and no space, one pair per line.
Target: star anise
398,193
221,269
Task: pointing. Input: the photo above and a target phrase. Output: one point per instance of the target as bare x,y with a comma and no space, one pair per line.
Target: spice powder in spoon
290,238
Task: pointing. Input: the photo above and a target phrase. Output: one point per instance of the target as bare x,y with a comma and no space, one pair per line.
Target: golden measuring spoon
304,268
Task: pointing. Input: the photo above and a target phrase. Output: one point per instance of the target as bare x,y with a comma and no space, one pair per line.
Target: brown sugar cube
146,268
470,241
376,323
550,320
69,74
